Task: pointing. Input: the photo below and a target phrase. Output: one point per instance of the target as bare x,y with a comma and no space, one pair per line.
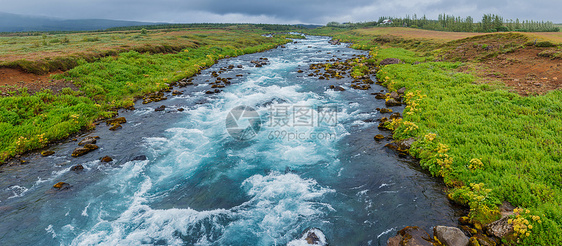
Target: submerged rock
47,153
77,168
115,126
106,159
379,137
313,236
379,95
385,110
337,88
139,158
161,108
450,236
61,186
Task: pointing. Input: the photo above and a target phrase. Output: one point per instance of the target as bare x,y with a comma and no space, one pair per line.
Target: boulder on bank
411,235
395,115
499,228
119,120
389,61
405,144
450,236
395,96
392,102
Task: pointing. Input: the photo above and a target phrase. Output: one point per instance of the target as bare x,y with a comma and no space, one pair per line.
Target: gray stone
450,236
389,61
499,228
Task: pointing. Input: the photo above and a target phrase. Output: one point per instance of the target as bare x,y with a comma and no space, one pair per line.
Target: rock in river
80,151
88,140
47,153
119,120
313,236
77,168
161,108
61,186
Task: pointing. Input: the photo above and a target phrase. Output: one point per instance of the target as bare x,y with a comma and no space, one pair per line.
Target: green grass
47,52
29,122
488,144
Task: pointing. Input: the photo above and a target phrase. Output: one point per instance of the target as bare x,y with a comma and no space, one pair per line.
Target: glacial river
186,178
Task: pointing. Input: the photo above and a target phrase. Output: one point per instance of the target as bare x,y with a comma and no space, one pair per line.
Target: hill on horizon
24,23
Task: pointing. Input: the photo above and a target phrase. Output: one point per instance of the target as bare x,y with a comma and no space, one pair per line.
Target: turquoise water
200,186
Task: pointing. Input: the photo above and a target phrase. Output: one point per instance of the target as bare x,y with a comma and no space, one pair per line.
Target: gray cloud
280,11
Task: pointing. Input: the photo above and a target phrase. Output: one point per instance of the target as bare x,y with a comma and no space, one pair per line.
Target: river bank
33,118
489,142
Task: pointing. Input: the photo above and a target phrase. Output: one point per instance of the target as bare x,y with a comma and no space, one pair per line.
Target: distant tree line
266,27
489,23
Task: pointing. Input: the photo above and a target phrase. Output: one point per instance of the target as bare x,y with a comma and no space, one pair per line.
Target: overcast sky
280,11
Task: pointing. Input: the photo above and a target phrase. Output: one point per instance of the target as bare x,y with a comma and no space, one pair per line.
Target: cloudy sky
280,11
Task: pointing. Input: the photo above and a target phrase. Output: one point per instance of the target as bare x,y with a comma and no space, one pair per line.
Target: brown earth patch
512,59
15,79
527,72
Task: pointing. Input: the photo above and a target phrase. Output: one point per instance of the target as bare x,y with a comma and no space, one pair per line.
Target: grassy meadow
29,122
